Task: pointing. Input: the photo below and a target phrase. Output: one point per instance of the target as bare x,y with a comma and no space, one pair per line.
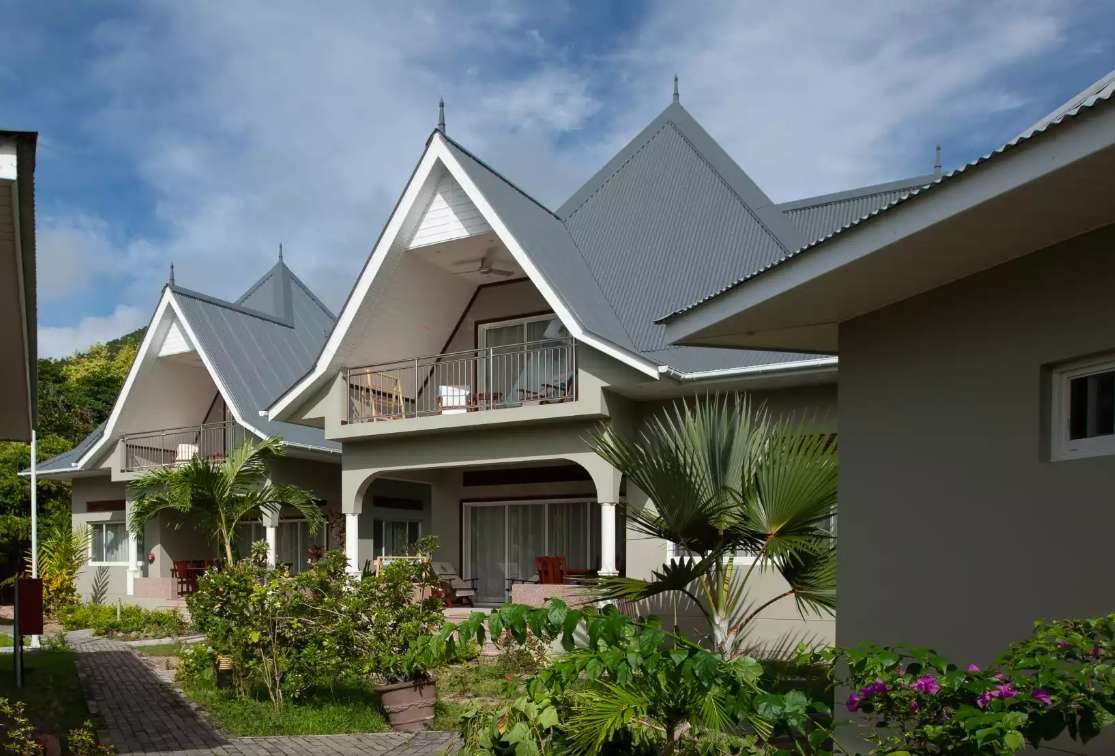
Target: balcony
173,446
475,380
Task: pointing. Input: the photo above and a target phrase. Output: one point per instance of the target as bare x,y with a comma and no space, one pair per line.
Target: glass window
395,537
1083,403
110,542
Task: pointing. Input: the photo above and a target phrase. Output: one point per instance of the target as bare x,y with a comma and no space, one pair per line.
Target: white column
271,533
352,542
608,539
133,549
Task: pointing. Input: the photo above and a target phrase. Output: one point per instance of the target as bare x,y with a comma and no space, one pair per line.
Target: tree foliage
75,395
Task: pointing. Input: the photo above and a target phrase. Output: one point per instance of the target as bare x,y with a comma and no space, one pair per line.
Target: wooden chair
184,576
552,570
457,589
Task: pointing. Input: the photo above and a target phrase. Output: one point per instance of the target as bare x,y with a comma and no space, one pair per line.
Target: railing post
491,376
415,391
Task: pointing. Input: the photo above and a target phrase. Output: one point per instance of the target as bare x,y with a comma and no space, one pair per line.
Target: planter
410,704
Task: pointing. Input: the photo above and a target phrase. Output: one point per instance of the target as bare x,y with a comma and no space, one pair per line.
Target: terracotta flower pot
410,704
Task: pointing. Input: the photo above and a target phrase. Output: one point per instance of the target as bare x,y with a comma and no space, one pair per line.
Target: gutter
788,368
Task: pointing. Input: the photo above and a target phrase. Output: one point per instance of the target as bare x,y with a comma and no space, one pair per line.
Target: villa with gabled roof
204,368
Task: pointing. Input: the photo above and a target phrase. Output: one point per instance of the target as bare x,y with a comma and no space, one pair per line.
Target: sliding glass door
504,538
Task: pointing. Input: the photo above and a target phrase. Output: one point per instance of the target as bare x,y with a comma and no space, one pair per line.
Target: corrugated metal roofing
817,217
64,462
670,215
257,355
1072,109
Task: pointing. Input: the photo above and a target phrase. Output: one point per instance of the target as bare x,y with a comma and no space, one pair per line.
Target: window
1083,409
109,544
294,541
395,537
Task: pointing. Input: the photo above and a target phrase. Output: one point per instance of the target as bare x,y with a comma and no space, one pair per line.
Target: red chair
552,570
184,576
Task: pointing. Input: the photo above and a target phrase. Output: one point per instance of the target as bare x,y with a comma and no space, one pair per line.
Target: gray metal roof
669,216
258,346
1101,92
65,461
817,217
258,353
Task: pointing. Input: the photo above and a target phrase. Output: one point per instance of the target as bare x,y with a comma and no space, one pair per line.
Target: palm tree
725,479
218,495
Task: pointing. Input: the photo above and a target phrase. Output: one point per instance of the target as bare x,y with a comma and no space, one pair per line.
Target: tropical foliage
63,553
216,495
289,634
626,686
1059,681
128,621
727,478
75,394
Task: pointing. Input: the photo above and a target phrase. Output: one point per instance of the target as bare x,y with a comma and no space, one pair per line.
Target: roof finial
441,115
171,279
677,98
280,251
937,165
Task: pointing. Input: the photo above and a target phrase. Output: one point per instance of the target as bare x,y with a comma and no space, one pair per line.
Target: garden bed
133,623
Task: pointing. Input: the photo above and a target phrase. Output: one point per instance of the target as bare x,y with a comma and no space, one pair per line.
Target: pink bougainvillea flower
984,699
973,668
1062,643
1006,690
926,684
854,701
1041,694
913,707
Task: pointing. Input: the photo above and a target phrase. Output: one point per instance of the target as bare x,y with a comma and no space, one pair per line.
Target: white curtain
575,533
526,538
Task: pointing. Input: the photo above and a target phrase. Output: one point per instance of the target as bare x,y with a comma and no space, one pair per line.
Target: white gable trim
167,302
175,342
449,215
438,152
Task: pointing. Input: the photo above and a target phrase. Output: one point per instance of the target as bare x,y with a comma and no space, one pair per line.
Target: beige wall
85,490
956,531
505,300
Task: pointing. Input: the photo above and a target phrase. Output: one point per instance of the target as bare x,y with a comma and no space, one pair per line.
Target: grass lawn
479,683
345,708
50,689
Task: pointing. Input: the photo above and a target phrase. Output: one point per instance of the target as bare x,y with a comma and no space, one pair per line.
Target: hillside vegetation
75,395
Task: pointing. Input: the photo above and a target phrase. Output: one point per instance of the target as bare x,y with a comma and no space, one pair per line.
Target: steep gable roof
254,347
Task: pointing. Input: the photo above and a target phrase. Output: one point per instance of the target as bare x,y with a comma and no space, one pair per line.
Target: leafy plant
1061,680
289,633
133,622
100,585
17,734
726,478
218,494
63,553
629,687
82,741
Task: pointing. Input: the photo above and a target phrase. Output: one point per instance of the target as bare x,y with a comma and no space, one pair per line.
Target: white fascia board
9,169
122,398
438,152
771,369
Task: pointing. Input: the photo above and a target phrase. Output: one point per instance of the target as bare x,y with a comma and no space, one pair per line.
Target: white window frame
673,551
378,539
102,524
483,328
1061,446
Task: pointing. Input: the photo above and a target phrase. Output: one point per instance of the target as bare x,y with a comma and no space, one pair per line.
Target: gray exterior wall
85,490
503,301
956,531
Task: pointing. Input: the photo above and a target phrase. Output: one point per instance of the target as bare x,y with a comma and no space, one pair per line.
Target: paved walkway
142,713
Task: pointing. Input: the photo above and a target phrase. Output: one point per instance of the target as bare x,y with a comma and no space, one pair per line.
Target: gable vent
450,215
175,342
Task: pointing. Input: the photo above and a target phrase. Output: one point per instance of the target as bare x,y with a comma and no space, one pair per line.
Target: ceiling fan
483,266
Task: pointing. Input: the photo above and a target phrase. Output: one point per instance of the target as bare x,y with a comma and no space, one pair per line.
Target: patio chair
457,589
185,452
184,575
552,570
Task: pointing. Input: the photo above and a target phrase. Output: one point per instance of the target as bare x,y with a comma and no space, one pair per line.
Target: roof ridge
208,298
497,174
862,192
623,164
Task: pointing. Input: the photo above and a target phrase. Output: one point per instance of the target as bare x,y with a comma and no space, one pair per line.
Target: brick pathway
142,713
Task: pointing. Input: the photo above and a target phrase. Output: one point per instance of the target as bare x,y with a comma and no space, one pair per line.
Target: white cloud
258,123
62,341
74,252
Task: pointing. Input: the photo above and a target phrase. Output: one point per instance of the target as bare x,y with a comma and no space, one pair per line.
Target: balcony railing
475,380
173,446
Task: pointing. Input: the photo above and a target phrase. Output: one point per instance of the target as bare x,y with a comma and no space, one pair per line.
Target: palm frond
601,711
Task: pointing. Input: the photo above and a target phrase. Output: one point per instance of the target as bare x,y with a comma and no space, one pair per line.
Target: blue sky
206,133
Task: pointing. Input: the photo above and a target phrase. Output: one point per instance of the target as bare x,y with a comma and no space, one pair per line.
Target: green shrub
291,633
1061,680
82,741
17,734
134,621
